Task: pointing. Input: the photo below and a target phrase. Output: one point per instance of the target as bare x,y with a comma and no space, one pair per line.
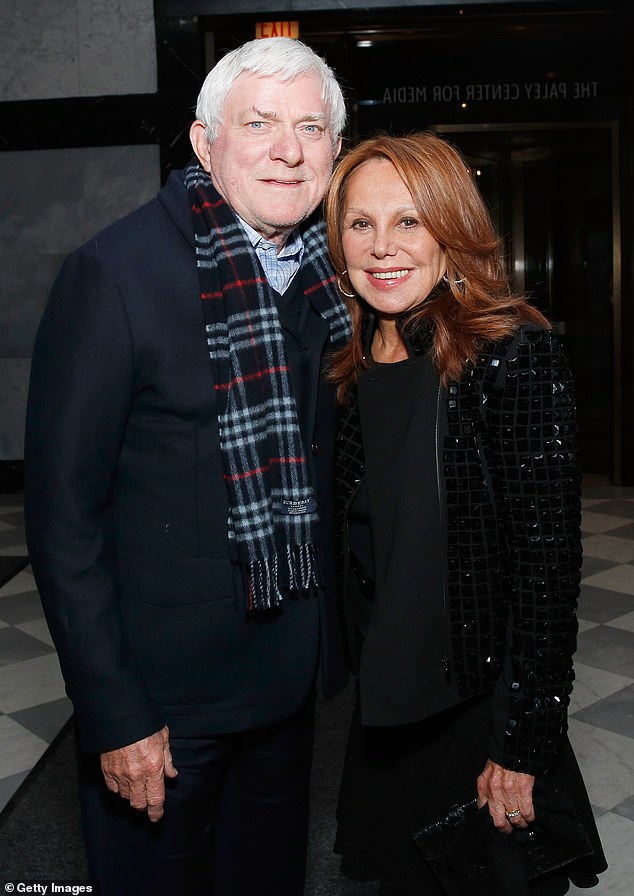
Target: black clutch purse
471,857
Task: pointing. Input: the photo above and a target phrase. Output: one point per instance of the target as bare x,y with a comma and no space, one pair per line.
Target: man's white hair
283,57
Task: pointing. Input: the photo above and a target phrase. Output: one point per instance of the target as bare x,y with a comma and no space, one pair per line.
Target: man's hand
137,772
508,794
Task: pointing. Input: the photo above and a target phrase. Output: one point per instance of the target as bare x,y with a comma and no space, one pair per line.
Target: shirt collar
293,245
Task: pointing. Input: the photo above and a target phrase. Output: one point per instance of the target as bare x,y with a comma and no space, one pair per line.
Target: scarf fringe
264,586
264,589
303,566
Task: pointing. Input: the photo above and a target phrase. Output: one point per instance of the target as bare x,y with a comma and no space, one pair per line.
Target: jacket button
315,449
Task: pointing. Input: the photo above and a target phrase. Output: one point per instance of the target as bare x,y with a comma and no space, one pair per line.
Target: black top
398,406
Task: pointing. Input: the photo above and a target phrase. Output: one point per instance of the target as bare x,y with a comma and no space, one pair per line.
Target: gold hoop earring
348,295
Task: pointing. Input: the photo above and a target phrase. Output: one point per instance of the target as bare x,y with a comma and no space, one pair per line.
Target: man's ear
337,148
200,143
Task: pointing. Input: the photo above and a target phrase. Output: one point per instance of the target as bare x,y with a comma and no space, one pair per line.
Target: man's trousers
235,822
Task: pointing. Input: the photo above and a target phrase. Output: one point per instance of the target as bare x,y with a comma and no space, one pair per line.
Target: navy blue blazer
126,508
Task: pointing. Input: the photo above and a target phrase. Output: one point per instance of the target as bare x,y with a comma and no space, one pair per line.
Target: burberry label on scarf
307,505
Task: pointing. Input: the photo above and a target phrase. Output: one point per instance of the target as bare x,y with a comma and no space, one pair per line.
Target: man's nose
287,147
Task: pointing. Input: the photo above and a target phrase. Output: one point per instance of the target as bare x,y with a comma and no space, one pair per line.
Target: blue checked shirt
279,268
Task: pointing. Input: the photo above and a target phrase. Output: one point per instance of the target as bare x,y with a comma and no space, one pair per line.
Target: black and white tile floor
33,706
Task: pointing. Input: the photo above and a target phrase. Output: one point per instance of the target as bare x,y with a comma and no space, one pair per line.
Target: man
178,477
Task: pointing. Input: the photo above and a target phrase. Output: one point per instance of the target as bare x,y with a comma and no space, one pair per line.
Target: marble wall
54,199
69,48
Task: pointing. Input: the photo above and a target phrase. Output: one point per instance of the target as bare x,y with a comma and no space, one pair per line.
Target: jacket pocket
175,581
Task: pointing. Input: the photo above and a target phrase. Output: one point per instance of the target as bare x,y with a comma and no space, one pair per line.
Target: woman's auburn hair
478,305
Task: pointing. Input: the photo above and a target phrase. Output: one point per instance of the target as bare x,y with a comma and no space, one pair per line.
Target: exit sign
277,29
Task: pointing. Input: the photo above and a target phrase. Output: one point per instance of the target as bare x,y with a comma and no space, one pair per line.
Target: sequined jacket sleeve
527,405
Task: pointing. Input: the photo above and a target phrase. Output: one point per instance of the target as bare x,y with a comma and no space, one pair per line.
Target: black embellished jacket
510,509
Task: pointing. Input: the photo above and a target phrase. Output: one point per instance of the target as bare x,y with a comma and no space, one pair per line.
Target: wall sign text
511,91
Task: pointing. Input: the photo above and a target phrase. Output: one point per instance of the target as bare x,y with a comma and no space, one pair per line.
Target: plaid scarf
273,516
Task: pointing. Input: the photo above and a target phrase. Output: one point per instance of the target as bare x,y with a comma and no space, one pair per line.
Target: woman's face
393,261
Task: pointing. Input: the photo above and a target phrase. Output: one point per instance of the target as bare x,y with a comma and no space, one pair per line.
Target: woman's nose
383,243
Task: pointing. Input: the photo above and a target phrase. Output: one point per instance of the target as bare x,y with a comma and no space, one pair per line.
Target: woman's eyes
406,223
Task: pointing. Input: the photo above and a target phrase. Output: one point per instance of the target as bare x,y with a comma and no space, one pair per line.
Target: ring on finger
514,813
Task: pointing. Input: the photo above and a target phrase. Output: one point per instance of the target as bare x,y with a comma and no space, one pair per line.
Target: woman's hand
508,794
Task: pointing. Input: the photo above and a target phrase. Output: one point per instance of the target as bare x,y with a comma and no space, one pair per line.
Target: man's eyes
311,129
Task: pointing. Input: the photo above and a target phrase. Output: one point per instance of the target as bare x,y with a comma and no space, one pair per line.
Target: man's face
273,155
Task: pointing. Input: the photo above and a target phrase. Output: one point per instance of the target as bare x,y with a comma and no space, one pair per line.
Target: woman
459,509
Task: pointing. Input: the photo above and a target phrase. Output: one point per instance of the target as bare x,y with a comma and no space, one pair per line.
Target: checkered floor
33,706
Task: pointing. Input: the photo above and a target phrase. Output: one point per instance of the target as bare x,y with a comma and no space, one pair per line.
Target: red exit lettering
277,29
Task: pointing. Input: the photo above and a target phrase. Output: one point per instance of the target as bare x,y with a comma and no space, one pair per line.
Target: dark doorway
550,193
